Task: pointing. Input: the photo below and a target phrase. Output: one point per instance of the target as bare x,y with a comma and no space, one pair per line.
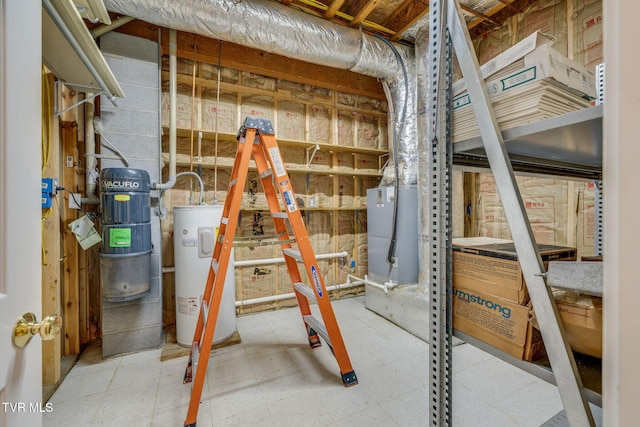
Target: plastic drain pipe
272,298
386,286
252,262
173,91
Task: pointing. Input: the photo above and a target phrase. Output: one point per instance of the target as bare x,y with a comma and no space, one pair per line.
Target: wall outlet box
46,201
72,200
49,186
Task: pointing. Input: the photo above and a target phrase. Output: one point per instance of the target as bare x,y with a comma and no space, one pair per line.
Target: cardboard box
532,59
582,319
543,63
493,269
513,54
499,323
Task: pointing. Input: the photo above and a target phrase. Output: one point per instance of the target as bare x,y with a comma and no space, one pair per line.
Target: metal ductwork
269,26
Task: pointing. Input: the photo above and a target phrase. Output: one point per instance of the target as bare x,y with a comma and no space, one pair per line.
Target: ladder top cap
264,126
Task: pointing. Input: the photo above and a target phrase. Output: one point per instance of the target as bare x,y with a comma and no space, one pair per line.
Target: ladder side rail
214,289
560,355
267,180
306,250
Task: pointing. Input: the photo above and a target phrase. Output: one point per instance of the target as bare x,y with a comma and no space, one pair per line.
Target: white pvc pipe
386,286
272,298
173,96
252,262
90,151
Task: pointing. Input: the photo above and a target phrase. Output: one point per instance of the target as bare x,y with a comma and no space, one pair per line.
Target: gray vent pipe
269,26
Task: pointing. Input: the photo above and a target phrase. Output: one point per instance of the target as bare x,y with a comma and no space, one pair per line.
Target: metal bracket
56,91
380,157
310,157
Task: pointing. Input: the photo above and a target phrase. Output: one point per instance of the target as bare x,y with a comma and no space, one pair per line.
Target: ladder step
266,173
318,327
293,253
195,356
233,182
279,215
304,290
214,265
205,312
224,221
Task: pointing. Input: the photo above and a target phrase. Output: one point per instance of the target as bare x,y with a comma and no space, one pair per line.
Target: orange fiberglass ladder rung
256,137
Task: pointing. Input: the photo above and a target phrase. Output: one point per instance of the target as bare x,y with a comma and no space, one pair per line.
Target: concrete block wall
133,126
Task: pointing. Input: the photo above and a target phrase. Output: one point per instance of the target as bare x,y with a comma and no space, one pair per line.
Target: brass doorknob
27,326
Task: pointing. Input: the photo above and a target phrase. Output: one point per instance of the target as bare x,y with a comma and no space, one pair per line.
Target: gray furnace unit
380,213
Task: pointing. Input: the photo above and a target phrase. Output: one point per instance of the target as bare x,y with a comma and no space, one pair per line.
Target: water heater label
121,197
120,237
188,306
190,243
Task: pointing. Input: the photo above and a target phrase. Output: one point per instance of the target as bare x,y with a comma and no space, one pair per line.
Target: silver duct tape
269,26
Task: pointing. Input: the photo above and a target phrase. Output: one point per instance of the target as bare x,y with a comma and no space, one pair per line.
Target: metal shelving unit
569,145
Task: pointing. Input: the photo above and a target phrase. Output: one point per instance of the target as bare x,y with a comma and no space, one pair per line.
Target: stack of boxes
490,298
527,83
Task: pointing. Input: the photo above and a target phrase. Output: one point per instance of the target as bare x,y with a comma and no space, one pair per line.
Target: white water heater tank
195,229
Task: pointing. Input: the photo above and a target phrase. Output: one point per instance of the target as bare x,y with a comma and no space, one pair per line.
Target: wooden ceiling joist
405,15
334,7
478,14
363,11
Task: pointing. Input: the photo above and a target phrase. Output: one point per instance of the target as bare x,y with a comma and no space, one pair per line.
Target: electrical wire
392,245
47,137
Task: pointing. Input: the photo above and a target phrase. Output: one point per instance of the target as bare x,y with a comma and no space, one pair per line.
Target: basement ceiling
398,20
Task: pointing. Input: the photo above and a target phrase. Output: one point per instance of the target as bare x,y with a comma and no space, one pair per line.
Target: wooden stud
51,293
70,244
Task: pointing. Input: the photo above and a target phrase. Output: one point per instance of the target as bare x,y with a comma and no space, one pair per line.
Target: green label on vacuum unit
120,237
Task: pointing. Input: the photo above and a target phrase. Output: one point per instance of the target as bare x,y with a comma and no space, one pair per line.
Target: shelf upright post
598,222
439,167
558,350
598,187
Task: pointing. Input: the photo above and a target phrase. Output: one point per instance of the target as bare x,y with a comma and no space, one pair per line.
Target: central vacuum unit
125,261
195,229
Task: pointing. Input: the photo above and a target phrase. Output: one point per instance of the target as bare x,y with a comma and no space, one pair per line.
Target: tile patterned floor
273,378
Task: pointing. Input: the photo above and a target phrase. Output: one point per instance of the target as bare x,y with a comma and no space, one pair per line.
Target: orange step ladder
256,137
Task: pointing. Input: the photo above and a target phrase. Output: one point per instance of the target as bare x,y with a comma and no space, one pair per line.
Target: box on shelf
543,63
515,53
493,268
533,83
582,319
499,323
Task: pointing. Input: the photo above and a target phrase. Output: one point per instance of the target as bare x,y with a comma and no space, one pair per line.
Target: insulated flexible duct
269,26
